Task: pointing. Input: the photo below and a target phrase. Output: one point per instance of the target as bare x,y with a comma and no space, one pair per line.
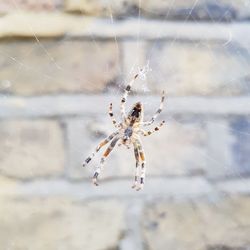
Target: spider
128,132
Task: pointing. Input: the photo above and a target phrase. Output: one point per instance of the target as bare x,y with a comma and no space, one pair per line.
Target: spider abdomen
136,114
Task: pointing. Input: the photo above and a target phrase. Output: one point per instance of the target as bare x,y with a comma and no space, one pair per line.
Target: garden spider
127,133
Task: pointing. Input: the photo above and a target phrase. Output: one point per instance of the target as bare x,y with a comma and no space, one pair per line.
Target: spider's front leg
111,114
104,157
125,95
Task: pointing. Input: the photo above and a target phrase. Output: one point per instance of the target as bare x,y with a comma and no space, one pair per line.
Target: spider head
136,112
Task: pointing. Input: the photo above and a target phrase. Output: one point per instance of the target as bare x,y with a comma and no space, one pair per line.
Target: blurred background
62,62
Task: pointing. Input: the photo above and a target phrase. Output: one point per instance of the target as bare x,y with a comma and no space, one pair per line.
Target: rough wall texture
63,62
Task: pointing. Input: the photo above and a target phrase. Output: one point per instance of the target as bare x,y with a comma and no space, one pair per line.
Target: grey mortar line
78,105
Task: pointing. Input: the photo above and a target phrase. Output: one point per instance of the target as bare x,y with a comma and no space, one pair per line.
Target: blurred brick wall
63,62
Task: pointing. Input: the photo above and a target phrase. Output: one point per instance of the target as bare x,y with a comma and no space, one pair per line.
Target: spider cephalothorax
128,133
136,114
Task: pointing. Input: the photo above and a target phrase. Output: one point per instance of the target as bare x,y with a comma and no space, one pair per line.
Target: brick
180,150
8,186
193,68
240,146
31,149
27,24
60,223
219,155
228,147
209,10
240,8
34,5
116,8
58,66
220,224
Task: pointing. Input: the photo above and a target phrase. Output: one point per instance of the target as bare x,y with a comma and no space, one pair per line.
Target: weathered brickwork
58,66
7,6
179,68
194,68
204,225
222,10
228,143
53,223
31,149
240,127
62,62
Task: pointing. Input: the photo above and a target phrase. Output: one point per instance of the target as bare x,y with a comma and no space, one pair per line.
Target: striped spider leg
111,114
100,145
147,123
124,97
128,133
104,157
157,128
140,161
137,163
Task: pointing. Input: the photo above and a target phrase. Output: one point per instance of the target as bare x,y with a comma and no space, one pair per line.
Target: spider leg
137,158
104,157
157,112
157,128
143,165
111,114
125,95
101,144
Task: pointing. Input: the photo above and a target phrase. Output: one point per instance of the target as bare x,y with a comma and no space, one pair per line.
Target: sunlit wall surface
62,62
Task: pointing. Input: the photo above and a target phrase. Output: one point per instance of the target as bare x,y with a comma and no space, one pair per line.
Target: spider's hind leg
104,157
139,179
143,170
101,144
137,158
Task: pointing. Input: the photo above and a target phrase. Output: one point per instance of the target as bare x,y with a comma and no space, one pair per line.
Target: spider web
143,84
146,69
